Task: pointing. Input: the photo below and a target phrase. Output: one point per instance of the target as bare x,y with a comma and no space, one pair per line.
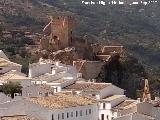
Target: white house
62,106
106,105
135,116
132,110
107,95
55,74
37,91
95,90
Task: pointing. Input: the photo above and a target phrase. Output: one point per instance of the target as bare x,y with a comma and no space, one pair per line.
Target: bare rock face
66,56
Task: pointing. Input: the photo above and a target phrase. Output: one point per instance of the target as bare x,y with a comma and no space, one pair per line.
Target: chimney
157,99
57,63
93,80
79,75
53,72
138,100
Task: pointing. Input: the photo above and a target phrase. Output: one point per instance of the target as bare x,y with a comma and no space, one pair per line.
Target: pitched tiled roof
88,86
13,75
125,104
62,100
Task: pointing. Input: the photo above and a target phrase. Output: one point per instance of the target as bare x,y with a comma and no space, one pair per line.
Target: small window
55,89
29,94
76,113
40,93
58,117
46,94
1,68
71,114
52,117
81,113
50,93
90,111
102,116
104,105
86,112
67,115
62,115
107,117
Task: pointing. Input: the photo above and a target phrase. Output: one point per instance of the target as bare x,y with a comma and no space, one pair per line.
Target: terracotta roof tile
62,100
88,86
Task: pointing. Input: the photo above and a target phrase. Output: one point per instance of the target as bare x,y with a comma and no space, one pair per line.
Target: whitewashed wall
46,114
156,113
39,69
135,116
111,90
145,108
12,108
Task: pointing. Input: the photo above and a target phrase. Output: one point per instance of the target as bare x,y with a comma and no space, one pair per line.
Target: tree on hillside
11,88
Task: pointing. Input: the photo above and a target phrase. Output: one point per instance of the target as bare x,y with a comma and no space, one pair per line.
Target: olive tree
11,88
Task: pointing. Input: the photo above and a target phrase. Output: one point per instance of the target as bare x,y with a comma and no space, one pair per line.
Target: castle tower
146,92
61,32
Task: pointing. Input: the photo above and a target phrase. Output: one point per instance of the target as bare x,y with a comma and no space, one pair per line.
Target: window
46,94
86,112
76,113
1,68
40,93
52,117
81,113
107,117
29,94
55,89
58,117
62,115
90,111
102,116
50,93
104,105
67,115
71,114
